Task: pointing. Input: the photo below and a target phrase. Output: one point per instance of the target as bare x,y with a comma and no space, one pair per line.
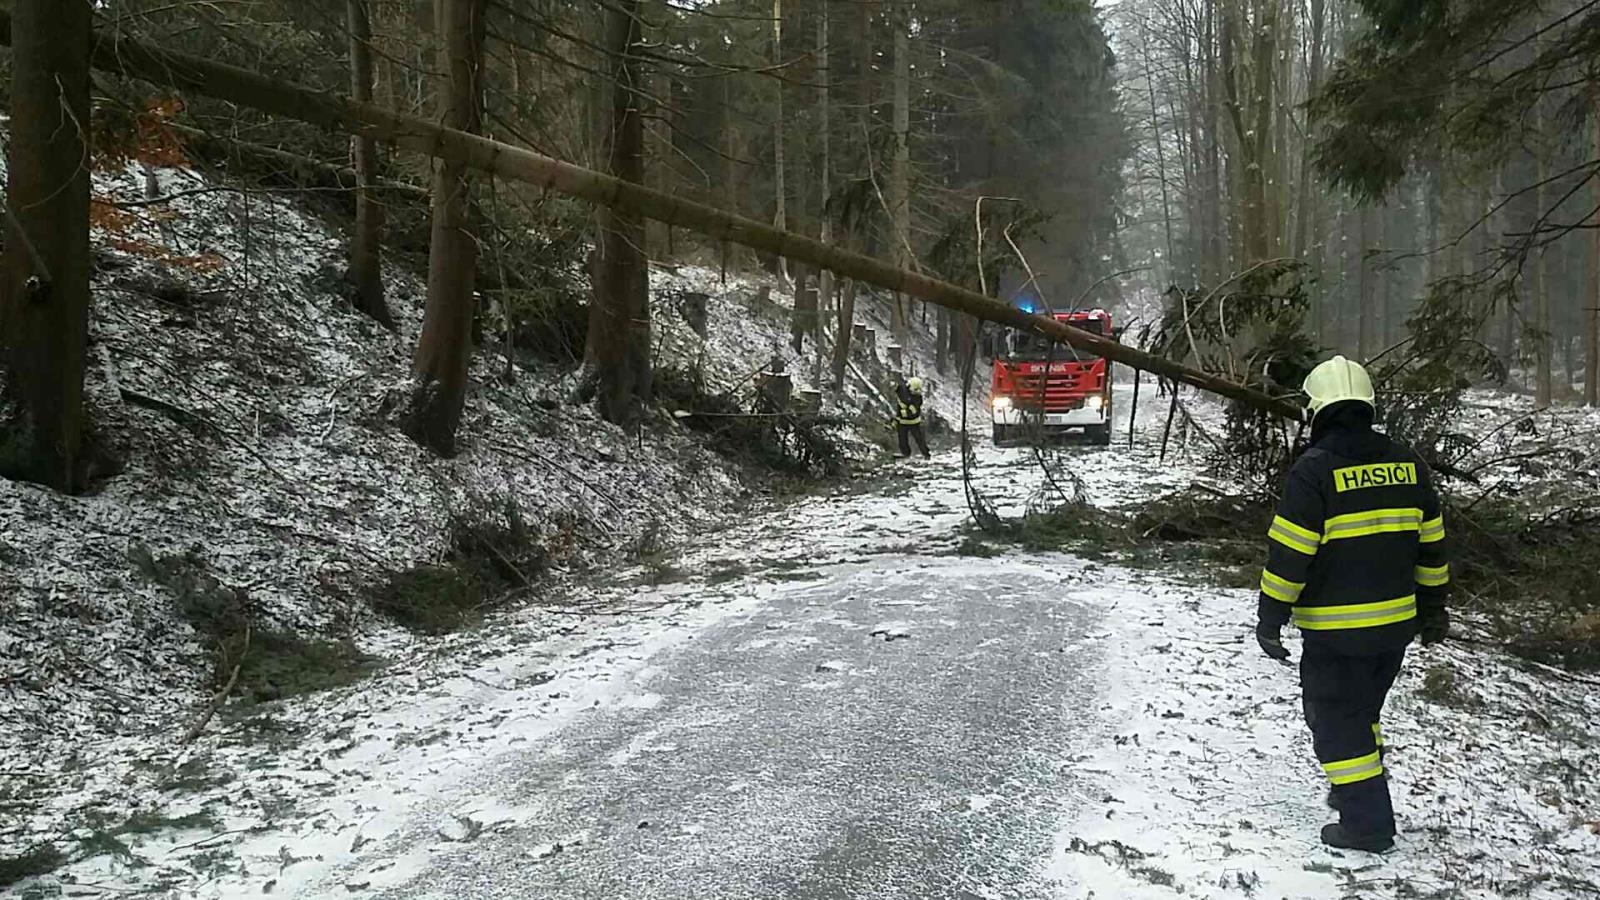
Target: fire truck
1044,389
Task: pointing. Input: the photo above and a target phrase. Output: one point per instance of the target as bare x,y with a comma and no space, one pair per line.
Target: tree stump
775,390
895,356
695,309
810,400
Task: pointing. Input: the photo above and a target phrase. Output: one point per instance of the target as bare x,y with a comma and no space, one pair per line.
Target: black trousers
906,433
1343,697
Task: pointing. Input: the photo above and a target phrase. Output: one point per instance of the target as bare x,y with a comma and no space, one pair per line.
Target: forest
449,442
861,125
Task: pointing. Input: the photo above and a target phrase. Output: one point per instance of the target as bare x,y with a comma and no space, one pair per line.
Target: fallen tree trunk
291,166
146,61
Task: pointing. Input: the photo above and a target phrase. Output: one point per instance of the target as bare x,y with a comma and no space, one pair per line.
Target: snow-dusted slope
274,463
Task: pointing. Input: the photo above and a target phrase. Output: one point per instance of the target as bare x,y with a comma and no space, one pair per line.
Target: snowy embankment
252,407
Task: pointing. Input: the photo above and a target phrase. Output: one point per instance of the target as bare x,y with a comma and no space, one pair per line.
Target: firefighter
1356,557
908,417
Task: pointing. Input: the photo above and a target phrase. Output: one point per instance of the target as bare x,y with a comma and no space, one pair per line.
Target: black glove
1435,626
1268,636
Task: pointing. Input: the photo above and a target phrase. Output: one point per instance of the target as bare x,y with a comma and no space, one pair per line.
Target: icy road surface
892,729
832,702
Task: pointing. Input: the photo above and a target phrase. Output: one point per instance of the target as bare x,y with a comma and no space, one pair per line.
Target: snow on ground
1194,769
284,476
291,487
327,774
275,465
1207,787
1549,459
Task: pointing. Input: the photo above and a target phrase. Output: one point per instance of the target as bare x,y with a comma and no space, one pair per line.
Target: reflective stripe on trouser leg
1343,698
1377,735
1350,771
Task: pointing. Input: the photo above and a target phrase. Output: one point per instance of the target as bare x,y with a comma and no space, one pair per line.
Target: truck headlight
1001,404
1095,402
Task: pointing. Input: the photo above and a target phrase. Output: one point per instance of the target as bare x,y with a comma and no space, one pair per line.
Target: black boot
1335,835
1333,800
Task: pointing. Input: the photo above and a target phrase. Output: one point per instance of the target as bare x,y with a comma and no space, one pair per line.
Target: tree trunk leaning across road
44,311
444,350
232,84
366,245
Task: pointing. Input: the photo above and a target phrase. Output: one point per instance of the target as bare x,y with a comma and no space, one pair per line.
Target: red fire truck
1075,393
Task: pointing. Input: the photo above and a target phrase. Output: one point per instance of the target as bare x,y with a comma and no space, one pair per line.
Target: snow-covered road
833,702
888,729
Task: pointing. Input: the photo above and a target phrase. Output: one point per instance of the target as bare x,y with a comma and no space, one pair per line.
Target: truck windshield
1022,345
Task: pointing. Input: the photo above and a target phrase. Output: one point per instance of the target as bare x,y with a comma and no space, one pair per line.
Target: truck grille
1063,391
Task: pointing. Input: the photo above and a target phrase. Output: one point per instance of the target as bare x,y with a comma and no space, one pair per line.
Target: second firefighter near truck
1356,558
908,417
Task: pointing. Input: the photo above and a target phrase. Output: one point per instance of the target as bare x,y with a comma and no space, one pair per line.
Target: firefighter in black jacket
1357,559
908,417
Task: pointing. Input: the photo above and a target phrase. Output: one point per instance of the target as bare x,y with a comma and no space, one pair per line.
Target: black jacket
1356,552
909,410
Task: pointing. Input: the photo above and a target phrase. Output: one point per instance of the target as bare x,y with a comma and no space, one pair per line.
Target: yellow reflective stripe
1370,522
1279,588
1377,733
1295,537
1359,615
1433,576
1433,530
1350,771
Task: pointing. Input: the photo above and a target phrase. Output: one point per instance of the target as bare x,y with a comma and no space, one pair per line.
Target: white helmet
1336,381
915,385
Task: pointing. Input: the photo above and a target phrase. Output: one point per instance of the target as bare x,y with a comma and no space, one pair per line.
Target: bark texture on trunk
780,170
846,323
366,245
444,350
619,317
806,313
900,164
847,296
44,311
1591,359
333,112
825,285
1543,379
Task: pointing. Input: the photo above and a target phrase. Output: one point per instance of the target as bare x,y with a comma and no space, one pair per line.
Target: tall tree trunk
780,184
825,285
1544,381
900,164
620,313
1161,157
846,321
1366,318
444,350
1382,280
1591,359
803,318
366,245
847,297
1306,218
941,359
44,312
